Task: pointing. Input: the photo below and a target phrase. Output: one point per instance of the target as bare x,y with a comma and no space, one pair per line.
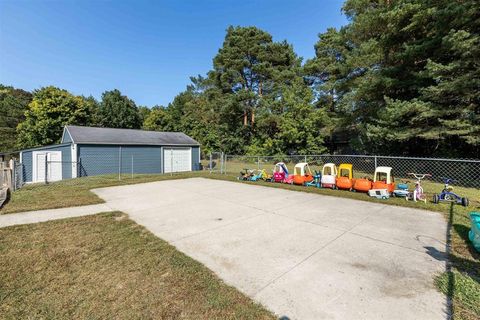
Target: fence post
46,168
258,163
132,166
210,163
14,174
305,159
375,162
221,163
225,164
120,163
171,161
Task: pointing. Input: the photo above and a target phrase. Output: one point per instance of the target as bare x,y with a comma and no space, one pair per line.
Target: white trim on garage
74,157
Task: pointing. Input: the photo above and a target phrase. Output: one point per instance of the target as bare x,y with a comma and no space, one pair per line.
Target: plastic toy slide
474,233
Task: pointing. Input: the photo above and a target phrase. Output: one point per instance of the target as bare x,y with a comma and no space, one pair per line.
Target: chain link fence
464,172
140,167
110,167
213,162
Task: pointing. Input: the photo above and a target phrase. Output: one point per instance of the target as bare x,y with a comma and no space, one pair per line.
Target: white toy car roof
383,169
301,164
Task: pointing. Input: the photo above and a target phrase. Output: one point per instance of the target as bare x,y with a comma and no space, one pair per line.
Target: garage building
90,151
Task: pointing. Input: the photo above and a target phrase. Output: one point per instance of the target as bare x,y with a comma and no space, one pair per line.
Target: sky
146,49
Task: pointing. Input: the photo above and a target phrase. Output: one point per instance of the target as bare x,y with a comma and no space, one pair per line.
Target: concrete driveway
303,256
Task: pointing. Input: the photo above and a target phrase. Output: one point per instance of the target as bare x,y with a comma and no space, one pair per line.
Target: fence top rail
356,156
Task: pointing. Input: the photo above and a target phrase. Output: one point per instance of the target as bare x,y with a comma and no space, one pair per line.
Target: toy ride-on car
329,175
260,175
302,174
362,185
246,174
345,179
447,194
402,190
383,179
316,180
280,172
379,193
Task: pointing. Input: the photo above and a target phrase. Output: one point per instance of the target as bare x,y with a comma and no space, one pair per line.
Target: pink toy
280,172
418,193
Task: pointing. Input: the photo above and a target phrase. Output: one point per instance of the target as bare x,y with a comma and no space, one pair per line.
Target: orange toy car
302,174
345,179
362,185
383,179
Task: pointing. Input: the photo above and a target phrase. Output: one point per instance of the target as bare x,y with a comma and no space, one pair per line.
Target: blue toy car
401,191
447,194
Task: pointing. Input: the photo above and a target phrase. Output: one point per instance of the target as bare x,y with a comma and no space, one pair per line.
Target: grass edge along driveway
107,265
461,283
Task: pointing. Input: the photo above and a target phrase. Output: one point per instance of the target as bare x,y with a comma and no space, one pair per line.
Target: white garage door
177,159
49,160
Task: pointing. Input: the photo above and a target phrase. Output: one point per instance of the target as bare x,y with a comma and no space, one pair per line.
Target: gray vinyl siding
27,161
195,158
66,137
110,159
141,159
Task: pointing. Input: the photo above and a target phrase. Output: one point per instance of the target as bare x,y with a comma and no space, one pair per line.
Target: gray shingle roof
92,135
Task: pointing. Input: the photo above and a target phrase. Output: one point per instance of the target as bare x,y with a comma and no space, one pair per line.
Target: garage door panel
177,159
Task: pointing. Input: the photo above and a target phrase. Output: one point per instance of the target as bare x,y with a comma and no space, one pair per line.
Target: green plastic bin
474,233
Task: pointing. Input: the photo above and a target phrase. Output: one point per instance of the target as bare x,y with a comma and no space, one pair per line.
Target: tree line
401,78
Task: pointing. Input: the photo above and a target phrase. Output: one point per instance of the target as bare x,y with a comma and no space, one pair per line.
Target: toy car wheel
436,199
354,190
465,202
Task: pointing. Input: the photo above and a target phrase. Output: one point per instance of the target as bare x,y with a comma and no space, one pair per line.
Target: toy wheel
436,199
354,190
465,202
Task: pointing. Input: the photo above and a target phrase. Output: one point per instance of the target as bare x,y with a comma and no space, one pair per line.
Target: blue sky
146,49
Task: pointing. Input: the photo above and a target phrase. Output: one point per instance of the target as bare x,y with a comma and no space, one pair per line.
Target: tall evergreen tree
13,104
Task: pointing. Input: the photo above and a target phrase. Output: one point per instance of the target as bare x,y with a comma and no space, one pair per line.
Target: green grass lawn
465,262
76,192
106,266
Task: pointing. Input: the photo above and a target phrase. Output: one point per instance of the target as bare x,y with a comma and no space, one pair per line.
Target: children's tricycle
448,195
345,179
302,174
383,179
329,175
418,193
280,172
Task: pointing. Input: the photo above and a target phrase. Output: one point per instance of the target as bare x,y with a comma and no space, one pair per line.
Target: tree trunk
245,117
260,96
